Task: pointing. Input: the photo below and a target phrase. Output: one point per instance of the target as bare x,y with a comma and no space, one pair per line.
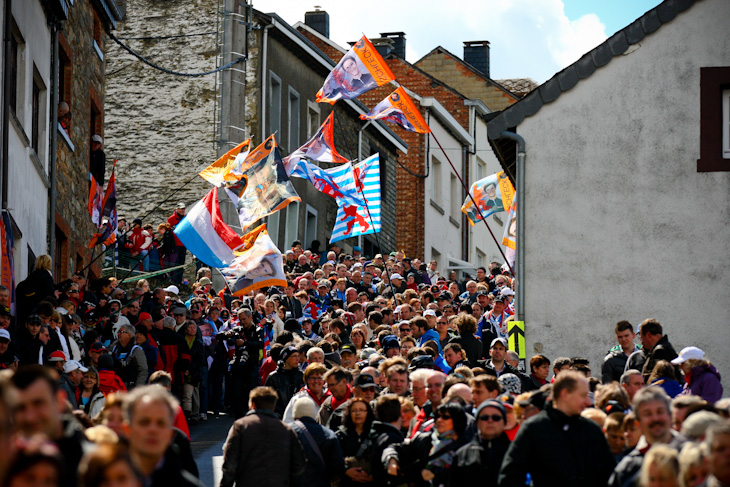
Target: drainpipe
464,226
53,132
520,183
264,78
6,102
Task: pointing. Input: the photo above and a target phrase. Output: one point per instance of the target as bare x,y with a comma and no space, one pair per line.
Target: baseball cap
507,292
57,356
72,365
97,347
180,205
492,403
429,312
537,399
378,256
689,353
356,248
445,296
97,138
390,341
5,311
347,348
503,341
421,362
172,289
4,334
499,299
396,276
179,311
144,316
365,381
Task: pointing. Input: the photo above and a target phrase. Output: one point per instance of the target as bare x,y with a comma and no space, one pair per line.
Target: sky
528,38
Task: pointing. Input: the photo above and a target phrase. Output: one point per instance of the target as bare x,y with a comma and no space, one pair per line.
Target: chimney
399,42
476,53
318,20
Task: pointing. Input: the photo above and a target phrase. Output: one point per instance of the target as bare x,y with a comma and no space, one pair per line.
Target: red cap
57,356
144,316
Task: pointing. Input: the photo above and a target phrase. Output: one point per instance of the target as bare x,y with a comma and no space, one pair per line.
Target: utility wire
169,71
152,38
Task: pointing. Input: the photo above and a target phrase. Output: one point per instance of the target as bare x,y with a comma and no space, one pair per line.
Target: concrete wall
442,227
620,225
28,171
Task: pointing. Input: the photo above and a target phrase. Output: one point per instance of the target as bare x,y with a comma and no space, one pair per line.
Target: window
97,36
455,197
59,253
274,104
481,258
726,124
436,255
481,170
436,188
65,72
293,120
312,118
310,227
714,120
35,118
292,224
14,73
31,260
272,226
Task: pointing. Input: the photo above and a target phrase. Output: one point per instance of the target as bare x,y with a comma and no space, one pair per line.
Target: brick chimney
318,20
476,53
399,42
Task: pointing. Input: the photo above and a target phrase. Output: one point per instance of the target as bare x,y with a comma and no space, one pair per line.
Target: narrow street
207,443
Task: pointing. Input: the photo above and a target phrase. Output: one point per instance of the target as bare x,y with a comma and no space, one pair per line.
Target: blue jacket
430,335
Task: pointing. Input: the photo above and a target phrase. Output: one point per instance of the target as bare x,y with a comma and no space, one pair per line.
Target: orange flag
399,109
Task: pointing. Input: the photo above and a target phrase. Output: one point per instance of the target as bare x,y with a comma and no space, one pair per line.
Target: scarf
439,442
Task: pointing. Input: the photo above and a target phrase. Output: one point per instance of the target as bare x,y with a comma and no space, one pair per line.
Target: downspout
53,131
464,227
264,84
520,183
6,103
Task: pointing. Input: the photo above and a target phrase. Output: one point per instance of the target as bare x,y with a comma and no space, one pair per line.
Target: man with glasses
482,457
180,314
404,329
340,390
130,362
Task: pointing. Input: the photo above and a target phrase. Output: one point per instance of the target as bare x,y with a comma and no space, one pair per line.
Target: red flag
320,147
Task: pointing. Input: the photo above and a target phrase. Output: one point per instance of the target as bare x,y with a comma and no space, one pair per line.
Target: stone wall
160,126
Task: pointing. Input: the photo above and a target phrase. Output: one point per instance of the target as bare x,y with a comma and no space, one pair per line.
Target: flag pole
468,192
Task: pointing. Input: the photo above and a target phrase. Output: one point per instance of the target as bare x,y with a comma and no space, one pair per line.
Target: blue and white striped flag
338,181
354,220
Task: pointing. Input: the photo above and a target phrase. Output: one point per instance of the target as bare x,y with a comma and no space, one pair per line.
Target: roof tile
666,11
618,43
585,66
602,55
531,103
568,78
634,32
650,21
550,90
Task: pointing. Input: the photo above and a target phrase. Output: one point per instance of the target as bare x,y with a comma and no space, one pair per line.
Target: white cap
429,312
396,276
4,334
397,309
304,407
97,138
507,292
72,365
689,353
172,289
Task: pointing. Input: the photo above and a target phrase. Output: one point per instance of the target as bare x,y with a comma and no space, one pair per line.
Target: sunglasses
493,417
442,322
443,416
405,329
72,292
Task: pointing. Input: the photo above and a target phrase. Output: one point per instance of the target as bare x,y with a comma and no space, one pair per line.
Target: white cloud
529,38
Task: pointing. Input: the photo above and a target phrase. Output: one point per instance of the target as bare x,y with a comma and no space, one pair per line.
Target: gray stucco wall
620,225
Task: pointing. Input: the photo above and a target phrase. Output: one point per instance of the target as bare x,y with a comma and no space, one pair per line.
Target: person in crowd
632,381
260,449
109,464
287,379
717,443
130,363
614,363
340,392
702,378
660,467
313,388
355,442
655,346
664,376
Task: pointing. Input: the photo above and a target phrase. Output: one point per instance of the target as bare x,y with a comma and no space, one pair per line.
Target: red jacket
173,220
110,382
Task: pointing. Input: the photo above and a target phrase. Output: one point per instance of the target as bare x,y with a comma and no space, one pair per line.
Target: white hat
62,310
172,289
396,276
397,309
689,353
507,292
97,138
4,334
429,312
305,407
72,365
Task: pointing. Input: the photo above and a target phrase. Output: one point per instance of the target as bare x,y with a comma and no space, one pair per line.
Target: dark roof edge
600,56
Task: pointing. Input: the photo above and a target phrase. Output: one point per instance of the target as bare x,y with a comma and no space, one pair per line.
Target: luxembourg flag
206,235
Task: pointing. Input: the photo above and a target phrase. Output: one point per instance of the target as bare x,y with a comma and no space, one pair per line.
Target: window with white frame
455,197
313,114
310,227
726,124
272,226
481,171
293,120
292,224
481,258
436,180
274,104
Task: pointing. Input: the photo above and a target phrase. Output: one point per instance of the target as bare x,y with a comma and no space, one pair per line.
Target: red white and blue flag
320,147
206,235
337,182
363,218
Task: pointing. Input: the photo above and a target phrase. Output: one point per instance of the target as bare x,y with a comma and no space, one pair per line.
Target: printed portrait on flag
398,108
259,265
491,194
263,188
224,169
360,70
320,147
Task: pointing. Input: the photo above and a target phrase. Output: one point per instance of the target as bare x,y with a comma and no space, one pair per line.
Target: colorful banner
263,187
206,235
107,235
7,260
96,196
354,220
359,71
337,182
509,240
492,195
398,108
259,264
223,170
320,147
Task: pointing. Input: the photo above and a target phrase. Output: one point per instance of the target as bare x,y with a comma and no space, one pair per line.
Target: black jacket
472,346
628,470
286,383
36,287
614,365
556,449
316,473
412,456
645,360
382,435
479,459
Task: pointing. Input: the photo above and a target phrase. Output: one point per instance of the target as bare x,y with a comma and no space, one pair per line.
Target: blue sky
528,38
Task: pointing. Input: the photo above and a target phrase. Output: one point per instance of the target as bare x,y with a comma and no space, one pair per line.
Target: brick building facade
82,47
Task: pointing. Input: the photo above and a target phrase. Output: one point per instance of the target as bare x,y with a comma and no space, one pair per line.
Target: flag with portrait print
320,147
491,195
258,264
107,234
398,108
364,218
509,240
359,71
226,167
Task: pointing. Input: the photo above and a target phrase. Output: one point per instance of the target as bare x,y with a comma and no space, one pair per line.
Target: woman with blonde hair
692,465
660,468
701,377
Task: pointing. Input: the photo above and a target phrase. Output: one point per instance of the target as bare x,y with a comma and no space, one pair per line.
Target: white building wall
620,225
443,208
481,242
28,172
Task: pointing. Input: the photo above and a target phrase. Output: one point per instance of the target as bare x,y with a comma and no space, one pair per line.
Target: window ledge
19,128
98,50
39,167
454,222
437,207
65,137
